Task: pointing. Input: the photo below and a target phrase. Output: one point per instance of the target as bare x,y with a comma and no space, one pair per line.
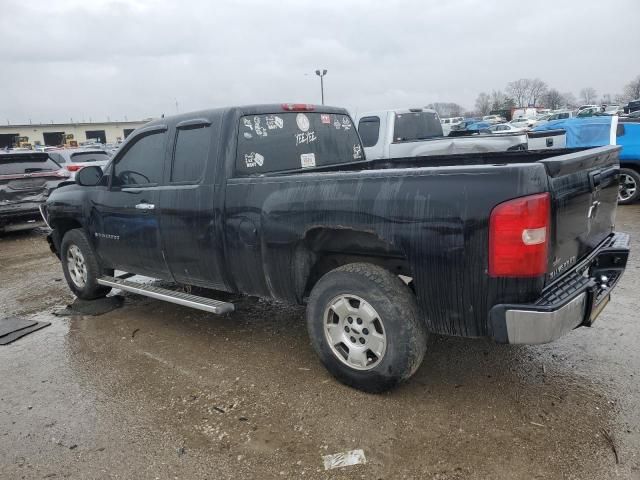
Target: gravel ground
155,390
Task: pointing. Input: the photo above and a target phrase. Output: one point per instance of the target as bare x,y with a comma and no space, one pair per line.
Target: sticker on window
306,137
302,121
260,130
253,159
357,151
308,160
325,118
274,121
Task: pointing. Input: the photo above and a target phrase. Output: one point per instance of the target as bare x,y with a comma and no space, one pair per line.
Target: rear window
21,164
83,157
369,129
416,126
295,140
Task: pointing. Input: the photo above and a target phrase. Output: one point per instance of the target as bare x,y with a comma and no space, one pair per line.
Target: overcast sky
82,59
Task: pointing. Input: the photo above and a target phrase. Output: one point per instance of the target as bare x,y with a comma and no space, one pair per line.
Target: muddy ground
155,390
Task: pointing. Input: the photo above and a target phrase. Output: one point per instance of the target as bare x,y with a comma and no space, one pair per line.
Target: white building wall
114,130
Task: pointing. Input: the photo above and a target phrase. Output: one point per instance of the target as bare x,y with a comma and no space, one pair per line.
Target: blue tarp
596,132
582,132
478,126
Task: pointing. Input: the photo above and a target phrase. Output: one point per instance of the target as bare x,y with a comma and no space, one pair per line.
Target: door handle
145,206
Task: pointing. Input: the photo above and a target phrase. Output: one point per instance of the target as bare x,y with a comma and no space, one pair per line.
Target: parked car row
27,177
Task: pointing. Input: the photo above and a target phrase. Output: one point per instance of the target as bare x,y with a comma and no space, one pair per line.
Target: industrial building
54,134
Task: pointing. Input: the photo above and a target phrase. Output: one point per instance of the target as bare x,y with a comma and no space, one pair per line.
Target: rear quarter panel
436,217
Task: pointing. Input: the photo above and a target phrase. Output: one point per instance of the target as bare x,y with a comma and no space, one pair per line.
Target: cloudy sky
82,59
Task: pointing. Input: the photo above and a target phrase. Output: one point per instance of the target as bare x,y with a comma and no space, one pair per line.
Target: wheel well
631,166
60,228
325,249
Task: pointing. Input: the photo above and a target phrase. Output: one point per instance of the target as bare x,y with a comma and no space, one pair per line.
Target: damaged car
26,180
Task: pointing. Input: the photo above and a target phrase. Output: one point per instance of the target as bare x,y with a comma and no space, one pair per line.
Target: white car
561,115
584,107
73,159
613,110
523,122
493,119
447,123
504,128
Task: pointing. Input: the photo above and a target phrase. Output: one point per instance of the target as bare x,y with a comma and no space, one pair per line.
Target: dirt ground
155,390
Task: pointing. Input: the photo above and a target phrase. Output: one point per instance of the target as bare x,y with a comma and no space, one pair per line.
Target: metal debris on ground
344,459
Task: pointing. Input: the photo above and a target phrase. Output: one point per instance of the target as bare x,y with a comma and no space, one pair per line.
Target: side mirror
89,176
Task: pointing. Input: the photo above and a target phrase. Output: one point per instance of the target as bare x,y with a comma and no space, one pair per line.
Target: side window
142,163
190,154
369,128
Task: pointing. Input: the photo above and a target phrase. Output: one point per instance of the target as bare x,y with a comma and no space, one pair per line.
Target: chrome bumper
573,301
531,327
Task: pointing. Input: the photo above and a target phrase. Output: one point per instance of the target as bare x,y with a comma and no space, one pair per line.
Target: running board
181,298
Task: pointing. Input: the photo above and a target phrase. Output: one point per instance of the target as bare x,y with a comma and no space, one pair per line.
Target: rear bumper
574,300
16,217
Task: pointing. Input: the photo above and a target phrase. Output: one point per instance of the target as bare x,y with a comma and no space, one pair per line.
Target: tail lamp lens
519,237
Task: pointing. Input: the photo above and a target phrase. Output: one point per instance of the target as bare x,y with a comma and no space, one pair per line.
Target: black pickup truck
279,201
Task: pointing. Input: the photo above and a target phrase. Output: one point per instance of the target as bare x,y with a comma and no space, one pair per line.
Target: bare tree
588,95
632,89
569,99
483,103
498,99
620,99
446,109
606,99
520,91
537,88
553,99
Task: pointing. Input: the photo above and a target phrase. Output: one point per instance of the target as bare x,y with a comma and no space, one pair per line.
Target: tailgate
584,190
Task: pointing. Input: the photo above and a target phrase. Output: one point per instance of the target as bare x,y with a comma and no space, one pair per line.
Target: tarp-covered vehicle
26,180
596,132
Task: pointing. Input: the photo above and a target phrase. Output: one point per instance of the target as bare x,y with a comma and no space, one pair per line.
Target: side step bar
181,298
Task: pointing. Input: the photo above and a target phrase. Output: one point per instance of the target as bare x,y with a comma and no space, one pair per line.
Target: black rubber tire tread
91,289
636,176
396,304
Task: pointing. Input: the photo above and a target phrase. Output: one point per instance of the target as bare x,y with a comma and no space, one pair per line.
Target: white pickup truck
417,132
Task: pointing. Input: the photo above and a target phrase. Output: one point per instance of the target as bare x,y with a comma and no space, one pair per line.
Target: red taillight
74,168
298,107
519,237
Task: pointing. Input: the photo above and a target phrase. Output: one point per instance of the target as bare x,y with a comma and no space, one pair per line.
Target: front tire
629,187
81,267
365,326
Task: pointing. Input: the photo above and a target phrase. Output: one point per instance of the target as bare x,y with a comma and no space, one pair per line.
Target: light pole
321,74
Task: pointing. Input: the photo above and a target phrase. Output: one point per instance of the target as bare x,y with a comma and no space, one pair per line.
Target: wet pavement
155,390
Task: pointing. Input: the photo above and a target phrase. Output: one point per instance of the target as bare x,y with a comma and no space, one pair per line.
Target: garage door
7,139
53,139
99,136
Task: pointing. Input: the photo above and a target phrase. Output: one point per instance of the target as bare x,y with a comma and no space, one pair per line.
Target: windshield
24,164
416,126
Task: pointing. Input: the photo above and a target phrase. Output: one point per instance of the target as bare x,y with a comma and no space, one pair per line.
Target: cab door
124,220
190,212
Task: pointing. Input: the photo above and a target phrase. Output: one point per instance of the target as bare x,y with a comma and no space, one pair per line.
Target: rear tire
365,326
629,190
81,267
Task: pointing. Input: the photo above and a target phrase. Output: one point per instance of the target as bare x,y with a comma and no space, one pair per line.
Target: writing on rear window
294,141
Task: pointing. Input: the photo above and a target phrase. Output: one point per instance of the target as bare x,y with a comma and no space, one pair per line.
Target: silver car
73,159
